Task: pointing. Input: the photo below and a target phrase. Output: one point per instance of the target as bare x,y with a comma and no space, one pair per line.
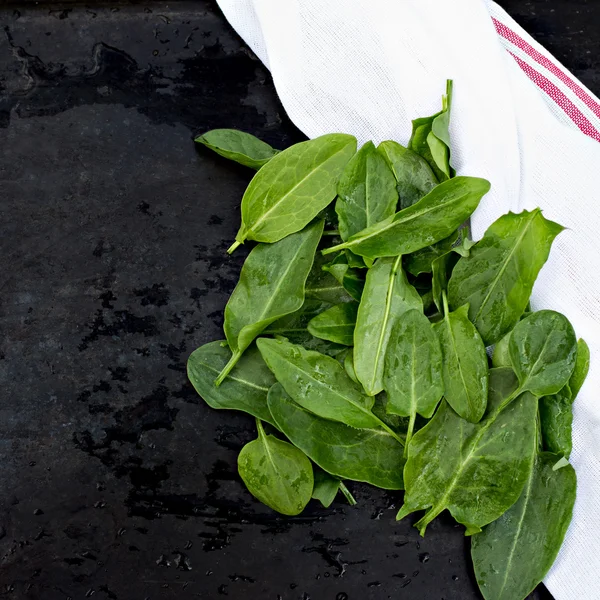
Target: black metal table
117,481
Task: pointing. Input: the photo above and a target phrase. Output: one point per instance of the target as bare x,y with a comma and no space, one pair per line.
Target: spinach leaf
441,269
414,177
336,324
271,285
497,278
276,473
421,261
431,139
543,351
476,471
366,192
319,383
293,187
513,554
556,421
326,487
465,367
413,369
349,367
370,455
239,146
322,285
430,220
351,279
582,367
501,356
387,295
246,386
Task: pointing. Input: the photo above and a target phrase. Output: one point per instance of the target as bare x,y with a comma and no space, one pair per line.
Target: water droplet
423,558
342,596
38,511
454,577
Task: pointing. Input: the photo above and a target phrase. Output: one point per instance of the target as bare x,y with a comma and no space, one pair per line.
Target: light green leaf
239,146
336,324
582,367
293,187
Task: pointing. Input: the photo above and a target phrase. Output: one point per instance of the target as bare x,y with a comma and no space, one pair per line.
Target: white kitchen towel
519,119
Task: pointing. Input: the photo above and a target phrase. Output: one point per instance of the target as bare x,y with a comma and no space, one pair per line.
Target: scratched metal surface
116,481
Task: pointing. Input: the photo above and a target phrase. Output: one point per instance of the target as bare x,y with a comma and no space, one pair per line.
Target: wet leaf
336,324
276,473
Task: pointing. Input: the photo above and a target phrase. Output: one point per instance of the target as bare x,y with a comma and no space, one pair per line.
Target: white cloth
368,67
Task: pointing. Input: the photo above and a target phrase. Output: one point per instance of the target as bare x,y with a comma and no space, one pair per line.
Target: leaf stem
227,368
334,248
331,232
349,497
409,432
233,246
445,301
261,432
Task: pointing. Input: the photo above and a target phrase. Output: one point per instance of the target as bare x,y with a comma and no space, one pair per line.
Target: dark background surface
116,481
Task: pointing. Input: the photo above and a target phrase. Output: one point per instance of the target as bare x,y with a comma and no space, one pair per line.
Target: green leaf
476,471
293,187
556,421
387,295
326,487
336,324
441,269
246,386
271,285
319,383
543,351
276,473
414,177
322,285
497,278
366,192
353,280
370,455
413,369
421,261
430,220
349,366
239,146
431,139
501,356
465,368
513,554
582,366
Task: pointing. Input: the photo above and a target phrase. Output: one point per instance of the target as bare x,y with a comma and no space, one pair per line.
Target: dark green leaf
366,192
476,471
413,369
370,455
556,420
497,278
543,350
387,295
293,187
414,176
353,280
513,554
271,286
336,324
465,367
326,487
318,383
421,261
276,473
430,220
239,146
322,285
246,386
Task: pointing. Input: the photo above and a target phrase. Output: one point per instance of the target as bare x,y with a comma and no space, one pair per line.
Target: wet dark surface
117,482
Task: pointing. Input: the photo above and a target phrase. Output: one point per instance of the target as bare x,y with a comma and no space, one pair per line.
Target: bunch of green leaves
358,338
